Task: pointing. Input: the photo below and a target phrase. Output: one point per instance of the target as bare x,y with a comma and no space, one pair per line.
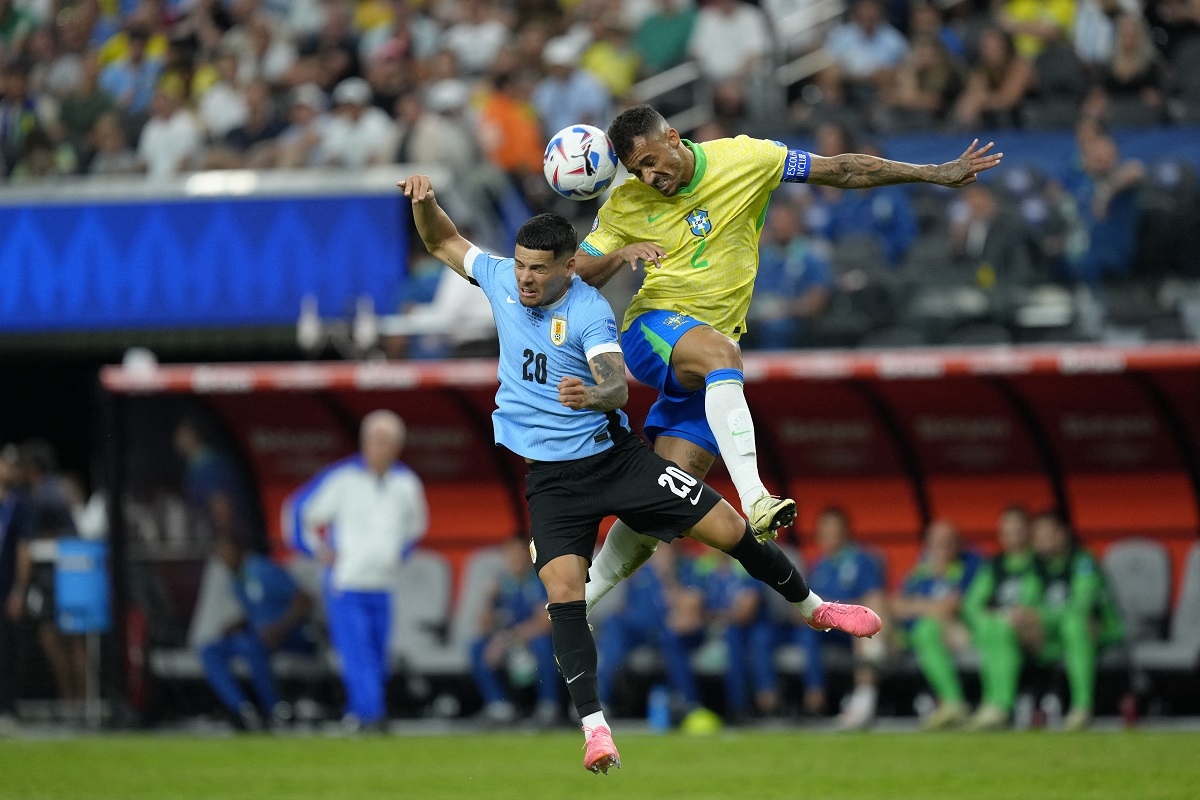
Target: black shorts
569,499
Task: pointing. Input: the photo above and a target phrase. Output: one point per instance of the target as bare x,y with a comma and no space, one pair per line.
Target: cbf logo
699,222
674,321
558,329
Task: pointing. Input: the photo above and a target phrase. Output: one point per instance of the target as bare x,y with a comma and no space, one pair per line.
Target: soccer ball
580,162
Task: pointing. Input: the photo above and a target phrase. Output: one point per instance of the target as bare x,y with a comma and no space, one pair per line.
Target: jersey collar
701,165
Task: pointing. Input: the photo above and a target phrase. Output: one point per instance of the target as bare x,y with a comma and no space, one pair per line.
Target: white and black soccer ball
580,162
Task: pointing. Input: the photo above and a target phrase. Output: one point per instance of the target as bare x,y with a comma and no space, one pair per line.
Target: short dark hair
549,232
633,122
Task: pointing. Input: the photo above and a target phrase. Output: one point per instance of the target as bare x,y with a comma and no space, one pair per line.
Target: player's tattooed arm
859,171
610,392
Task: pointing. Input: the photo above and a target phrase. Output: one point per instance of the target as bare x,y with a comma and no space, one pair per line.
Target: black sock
575,651
765,562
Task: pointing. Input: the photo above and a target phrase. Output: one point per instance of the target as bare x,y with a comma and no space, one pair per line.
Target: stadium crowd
160,87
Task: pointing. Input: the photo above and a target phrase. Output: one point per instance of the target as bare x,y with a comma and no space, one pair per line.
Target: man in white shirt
170,139
359,134
360,517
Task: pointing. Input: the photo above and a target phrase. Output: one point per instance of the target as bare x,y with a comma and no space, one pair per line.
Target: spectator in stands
1135,76
660,610
251,144
360,134
330,54
171,139
436,131
274,613
1034,24
56,68
794,283
43,158
843,573
929,606
736,608
923,87
515,633
222,106
731,41
15,531
569,94
84,105
1106,202
360,518
508,128
18,113
866,50
263,52
476,37
925,20
991,243
610,56
661,39
131,80
996,85
1076,617
1001,587
16,24
299,145
110,153
389,75
1095,26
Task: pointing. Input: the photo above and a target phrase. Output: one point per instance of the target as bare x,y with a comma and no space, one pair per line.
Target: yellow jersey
709,229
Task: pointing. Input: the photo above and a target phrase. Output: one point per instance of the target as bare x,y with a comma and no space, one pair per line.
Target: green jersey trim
701,166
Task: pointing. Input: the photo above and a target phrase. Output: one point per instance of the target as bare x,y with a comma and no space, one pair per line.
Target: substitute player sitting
562,385
695,212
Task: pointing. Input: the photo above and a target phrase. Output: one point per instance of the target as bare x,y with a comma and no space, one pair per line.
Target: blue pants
217,659
811,642
359,623
751,664
490,684
621,635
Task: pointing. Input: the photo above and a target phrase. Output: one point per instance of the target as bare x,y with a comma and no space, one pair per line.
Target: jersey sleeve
611,229
600,333
483,268
764,159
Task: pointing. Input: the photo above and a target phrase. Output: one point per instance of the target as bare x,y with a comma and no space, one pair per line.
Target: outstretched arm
436,229
611,389
858,171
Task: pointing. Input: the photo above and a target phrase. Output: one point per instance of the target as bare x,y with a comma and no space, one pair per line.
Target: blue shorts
678,412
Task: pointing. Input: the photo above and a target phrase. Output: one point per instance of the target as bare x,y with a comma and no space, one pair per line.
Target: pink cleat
854,620
601,752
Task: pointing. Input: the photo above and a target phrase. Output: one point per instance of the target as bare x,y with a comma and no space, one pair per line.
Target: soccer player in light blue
562,385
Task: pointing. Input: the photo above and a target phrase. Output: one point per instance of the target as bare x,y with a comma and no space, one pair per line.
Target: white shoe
858,712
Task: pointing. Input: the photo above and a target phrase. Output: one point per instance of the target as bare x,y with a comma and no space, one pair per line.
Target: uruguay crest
558,329
699,222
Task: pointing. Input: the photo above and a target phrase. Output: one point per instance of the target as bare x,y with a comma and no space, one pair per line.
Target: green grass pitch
729,766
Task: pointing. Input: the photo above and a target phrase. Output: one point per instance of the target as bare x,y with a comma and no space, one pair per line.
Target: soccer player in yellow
695,211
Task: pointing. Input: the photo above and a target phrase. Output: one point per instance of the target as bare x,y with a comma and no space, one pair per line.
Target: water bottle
658,709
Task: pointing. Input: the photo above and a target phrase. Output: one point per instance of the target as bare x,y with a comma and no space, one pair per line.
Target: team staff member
695,212
562,384
361,517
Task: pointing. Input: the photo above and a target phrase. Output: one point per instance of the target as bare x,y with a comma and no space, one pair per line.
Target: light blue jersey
539,347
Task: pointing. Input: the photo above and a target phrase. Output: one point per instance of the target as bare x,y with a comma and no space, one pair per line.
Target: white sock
623,552
729,417
593,721
809,604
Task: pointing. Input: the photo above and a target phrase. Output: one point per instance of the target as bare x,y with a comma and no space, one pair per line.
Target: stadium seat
421,614
1181,651
1140,573
479,574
